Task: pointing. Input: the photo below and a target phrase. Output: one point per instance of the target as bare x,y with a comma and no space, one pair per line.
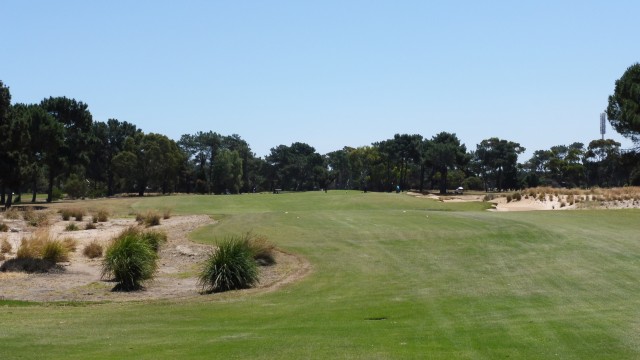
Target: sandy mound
179,263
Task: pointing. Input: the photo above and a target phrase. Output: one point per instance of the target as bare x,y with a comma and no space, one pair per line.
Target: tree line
56,147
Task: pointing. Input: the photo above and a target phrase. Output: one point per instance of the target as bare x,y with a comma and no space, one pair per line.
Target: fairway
393,277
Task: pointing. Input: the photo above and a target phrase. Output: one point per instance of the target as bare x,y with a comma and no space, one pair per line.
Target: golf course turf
393,277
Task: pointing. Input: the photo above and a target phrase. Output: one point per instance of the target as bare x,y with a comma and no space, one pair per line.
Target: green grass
394,277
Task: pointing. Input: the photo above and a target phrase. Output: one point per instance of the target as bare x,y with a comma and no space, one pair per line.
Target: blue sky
328,73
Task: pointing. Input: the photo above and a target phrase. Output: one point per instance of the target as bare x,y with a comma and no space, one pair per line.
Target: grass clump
90,226
76,213
154,239
151,218
70,243
55,251
166,213
101,216
5,246
71,227
230,267
42,246
129,260
262,250
36,218
92,250
12,214
4,227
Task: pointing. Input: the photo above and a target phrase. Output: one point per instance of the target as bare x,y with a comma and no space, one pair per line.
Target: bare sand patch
179,263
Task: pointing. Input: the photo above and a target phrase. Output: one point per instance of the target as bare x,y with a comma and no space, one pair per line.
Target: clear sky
328,73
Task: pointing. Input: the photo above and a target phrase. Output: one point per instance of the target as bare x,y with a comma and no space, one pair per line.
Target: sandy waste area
79,279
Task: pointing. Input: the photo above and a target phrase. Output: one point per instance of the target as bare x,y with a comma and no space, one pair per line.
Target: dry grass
151,218
36,218
12,214
5,246
594,197
92,250
70,243
101,215
33,246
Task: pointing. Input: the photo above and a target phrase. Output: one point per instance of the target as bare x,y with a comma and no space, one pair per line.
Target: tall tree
5,104
498,160
16,140
295,167
106,142
602,159
444,151
624,105
74,152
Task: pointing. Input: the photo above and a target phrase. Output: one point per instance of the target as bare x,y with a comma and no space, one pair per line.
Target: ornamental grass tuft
230,267
129,260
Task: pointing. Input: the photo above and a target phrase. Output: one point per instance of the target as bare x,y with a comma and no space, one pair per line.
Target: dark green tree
445,152
75,118
624,105
5,105
498,160
107,140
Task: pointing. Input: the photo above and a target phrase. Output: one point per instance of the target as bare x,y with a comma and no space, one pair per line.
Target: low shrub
65,213
154,239
129,260
102,215
509,198
90,226
262,250
70,243
36,218
4,227
71,227
5,246
92,250
42,246
230,267
517,196
55,251
151,218
12,214
32,247
78,214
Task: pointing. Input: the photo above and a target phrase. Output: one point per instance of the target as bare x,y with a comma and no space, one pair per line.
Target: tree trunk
34,188
50,188
7,205
443,181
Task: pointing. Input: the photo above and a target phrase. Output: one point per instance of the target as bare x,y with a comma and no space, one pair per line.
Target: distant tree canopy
56,145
